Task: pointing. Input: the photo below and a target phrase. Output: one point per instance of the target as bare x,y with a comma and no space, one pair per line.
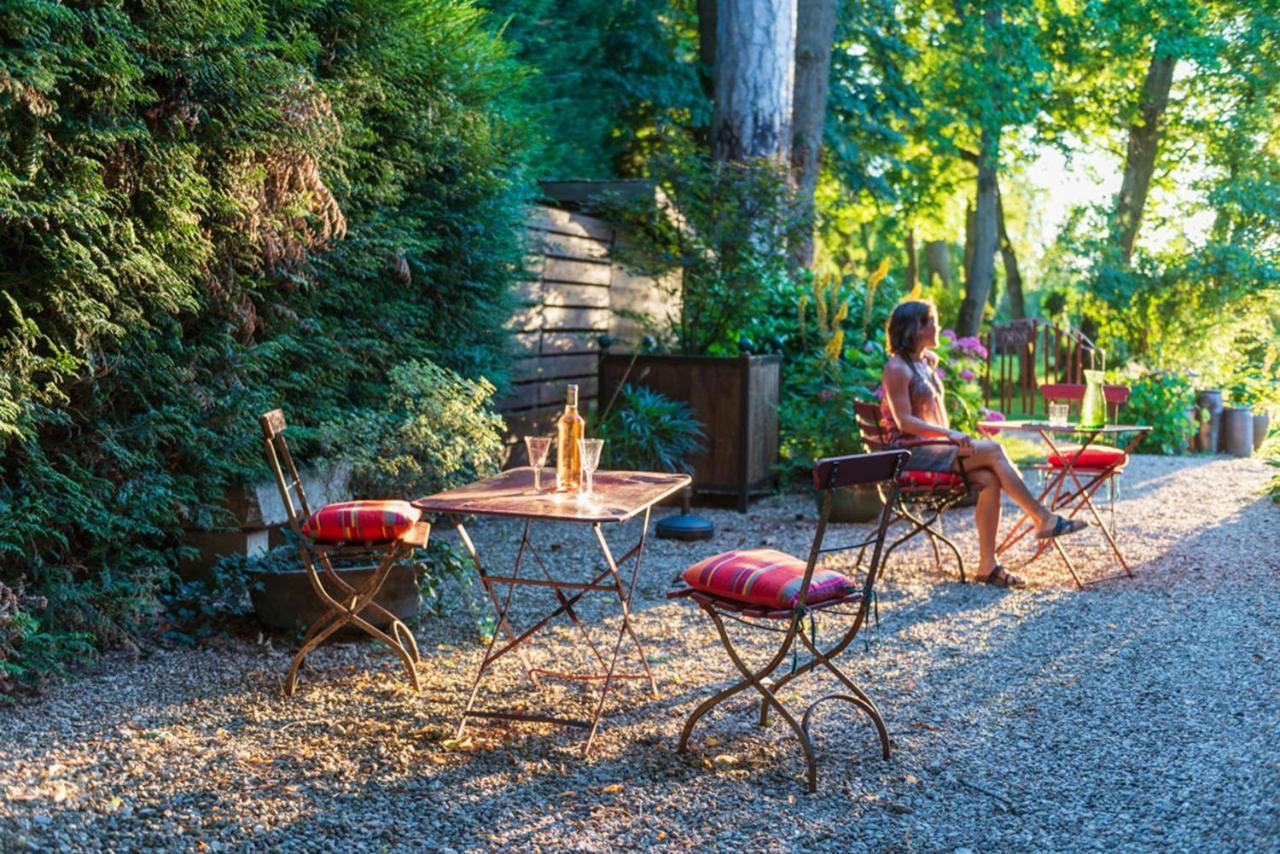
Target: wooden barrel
1237,432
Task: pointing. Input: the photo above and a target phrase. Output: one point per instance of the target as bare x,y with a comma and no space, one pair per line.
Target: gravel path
1141,715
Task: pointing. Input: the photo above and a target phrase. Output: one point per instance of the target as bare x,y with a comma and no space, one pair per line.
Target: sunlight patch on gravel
1139,714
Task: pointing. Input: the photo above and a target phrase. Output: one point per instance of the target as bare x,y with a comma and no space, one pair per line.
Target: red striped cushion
361,521
1094,456
929,478
764,577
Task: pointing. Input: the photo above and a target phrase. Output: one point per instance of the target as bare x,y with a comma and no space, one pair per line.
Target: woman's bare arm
897,381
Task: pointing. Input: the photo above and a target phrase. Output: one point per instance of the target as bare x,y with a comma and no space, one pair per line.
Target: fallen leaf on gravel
569,794
457,743
791,799
726,759
910,778
712,741
612,788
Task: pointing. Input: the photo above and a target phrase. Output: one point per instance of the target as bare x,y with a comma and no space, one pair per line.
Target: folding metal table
618,498
1063,489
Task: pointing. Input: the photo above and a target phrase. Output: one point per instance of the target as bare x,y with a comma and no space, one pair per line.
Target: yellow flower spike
879,274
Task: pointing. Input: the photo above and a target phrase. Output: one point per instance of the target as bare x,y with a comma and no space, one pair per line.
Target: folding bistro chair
375,534
922,496
1098,463
768,590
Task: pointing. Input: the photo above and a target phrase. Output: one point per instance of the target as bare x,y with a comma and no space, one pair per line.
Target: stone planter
1207,441
1261,424
253,516
286,602
1237,431
853,504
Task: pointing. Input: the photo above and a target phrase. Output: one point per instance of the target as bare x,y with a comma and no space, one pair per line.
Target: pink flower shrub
826,395
967,375
970,346
985,414
948,335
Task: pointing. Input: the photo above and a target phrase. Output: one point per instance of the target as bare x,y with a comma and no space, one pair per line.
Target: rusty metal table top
618,497
1046,427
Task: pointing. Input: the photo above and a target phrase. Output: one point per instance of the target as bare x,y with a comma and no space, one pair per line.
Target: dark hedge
209,208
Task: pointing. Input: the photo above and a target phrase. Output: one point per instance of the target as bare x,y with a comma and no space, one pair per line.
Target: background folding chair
772,591
1097,458
922,496
365,534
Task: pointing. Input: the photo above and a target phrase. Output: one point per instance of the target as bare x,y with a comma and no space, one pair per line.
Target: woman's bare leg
986,517
989,455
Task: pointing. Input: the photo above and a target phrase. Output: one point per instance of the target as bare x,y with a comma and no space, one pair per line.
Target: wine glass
538,447
590,449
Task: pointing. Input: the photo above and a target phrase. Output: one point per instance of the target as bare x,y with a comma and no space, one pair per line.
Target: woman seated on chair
914,408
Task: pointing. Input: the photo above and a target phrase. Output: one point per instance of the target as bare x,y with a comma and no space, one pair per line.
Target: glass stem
588,474
537,478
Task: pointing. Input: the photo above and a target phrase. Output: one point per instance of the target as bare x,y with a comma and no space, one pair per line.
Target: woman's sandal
1001,577
1062,525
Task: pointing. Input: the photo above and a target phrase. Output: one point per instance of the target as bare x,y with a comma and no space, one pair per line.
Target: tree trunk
1144,144
707,47
1012,277
913,270
815,33
982,269
969,229
755,61
937,262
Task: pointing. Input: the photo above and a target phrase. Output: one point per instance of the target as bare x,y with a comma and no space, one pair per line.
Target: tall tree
980,272
755,62
815,32
1144,143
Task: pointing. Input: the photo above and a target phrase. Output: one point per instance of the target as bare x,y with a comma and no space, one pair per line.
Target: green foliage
724,227
834,356
613,78
207,210
648,431
1162,399
435,431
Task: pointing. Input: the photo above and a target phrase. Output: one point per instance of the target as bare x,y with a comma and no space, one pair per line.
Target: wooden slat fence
579,293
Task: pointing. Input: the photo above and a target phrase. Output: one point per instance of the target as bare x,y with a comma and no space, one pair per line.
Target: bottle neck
571,399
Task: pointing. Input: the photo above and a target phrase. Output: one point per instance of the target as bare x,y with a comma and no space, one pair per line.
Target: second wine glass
590,461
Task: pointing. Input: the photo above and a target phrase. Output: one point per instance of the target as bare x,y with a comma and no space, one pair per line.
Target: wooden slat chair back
288,481
920,500
1072,394
346,604
879,468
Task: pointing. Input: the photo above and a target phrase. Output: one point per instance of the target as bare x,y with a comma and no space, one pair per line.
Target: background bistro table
619,497
1064,490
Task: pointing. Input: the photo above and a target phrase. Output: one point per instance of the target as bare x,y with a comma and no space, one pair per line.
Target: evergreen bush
207,210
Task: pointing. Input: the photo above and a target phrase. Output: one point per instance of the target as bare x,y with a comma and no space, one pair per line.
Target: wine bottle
569,429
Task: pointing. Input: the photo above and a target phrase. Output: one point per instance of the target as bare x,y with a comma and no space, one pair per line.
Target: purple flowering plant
961,364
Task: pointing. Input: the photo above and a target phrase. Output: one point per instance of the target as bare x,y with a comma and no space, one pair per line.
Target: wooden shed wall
576,293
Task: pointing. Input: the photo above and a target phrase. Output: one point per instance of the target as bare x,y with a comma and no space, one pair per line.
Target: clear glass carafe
1093,411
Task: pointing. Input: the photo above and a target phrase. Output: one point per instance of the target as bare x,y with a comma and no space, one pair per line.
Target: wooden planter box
284,601
736,399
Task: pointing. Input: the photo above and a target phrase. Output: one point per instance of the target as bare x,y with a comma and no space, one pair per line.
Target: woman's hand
963,441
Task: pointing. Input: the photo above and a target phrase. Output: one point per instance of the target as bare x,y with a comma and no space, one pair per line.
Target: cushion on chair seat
1094,456
361,521
911,477
764,577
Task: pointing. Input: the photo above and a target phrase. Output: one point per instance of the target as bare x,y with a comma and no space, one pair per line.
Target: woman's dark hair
903,330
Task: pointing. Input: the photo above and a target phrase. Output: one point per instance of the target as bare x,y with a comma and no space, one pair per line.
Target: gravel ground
1141,714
